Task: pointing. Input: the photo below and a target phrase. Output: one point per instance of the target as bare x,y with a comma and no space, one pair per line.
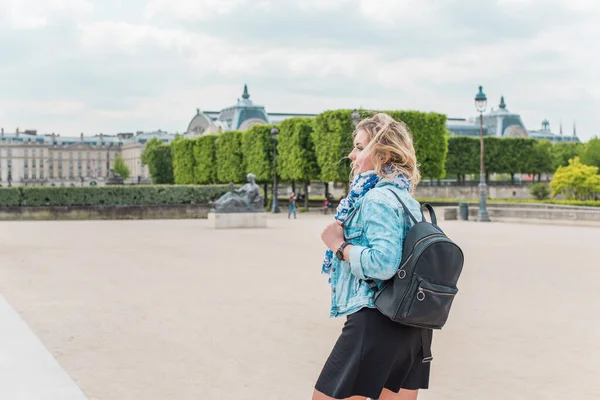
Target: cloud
34,14
128,65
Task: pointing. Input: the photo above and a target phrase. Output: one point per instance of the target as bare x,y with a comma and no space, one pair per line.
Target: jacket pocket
353,232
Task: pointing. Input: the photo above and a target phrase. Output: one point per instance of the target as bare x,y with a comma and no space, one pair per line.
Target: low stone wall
587,214
183,211
472,192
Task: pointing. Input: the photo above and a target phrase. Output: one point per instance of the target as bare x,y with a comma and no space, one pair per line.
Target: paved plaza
132,310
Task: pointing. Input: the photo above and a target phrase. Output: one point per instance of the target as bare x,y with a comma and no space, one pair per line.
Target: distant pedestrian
292,205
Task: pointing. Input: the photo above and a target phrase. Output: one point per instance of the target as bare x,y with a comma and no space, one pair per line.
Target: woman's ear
385,157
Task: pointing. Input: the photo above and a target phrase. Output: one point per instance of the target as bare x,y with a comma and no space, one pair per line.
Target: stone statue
247,199
113,179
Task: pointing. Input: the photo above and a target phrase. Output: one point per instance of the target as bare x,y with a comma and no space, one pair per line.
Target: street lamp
355,117
480,104
275,206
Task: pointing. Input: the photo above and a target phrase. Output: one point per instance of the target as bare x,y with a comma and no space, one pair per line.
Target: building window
41,163
33,153
25,163
60,155
26,153
33,174
79,155
33,163
60,174
41,174
26,175
9,153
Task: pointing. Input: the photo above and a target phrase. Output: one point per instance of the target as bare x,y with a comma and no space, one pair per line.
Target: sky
91,66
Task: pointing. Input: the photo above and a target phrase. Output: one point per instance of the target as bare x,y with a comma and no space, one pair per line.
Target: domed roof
200,124
243,114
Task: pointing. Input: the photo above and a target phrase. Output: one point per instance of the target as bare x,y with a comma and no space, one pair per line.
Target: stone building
501,122
27,158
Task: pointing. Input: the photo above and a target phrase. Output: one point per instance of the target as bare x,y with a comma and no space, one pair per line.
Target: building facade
27,158
501,122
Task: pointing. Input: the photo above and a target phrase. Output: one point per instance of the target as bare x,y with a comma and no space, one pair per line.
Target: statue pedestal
237,220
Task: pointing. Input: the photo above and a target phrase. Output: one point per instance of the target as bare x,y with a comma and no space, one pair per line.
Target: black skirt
373,353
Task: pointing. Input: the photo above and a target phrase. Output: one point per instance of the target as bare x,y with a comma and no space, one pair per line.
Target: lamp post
355,117
107,161
275,206
480,104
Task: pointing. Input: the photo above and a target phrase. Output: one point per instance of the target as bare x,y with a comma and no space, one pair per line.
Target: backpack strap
432,216
412,217
370,282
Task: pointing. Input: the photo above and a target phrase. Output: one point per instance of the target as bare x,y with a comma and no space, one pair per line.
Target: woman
374,357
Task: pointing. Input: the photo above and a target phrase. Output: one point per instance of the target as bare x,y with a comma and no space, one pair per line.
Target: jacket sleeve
384,231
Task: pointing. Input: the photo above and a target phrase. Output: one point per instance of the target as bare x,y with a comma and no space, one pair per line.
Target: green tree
204,150
257,148
591,153
540,162
563,152
121,168
157,156
297,160
332,137
229,157
430,138
576,181
463,157
184,163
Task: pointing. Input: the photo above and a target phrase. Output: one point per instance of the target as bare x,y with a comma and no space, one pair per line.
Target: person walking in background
292,205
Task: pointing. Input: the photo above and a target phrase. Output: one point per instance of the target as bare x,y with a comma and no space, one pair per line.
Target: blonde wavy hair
388,137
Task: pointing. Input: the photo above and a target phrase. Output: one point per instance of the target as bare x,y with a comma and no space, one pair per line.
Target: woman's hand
333,235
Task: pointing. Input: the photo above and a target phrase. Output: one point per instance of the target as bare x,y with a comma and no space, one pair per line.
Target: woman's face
361,161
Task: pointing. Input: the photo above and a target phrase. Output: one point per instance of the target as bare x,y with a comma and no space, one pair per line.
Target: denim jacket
376,229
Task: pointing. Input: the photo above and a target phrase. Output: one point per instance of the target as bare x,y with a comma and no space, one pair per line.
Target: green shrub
576,181
110,195
9,197
540,191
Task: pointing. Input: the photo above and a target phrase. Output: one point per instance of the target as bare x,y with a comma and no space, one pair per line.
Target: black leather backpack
421,292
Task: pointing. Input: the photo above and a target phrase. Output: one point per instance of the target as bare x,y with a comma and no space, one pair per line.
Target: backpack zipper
401,268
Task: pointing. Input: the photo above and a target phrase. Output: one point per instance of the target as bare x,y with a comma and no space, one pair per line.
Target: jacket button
333,290
332,269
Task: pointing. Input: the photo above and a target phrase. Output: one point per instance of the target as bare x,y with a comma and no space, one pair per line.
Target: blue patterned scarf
361,184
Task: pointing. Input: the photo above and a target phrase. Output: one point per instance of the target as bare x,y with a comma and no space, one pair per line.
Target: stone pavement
176,310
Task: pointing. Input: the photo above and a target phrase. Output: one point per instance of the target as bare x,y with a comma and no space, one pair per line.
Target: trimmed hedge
229,157
206,165
429,137
501,156
110,195
257,152
184,163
